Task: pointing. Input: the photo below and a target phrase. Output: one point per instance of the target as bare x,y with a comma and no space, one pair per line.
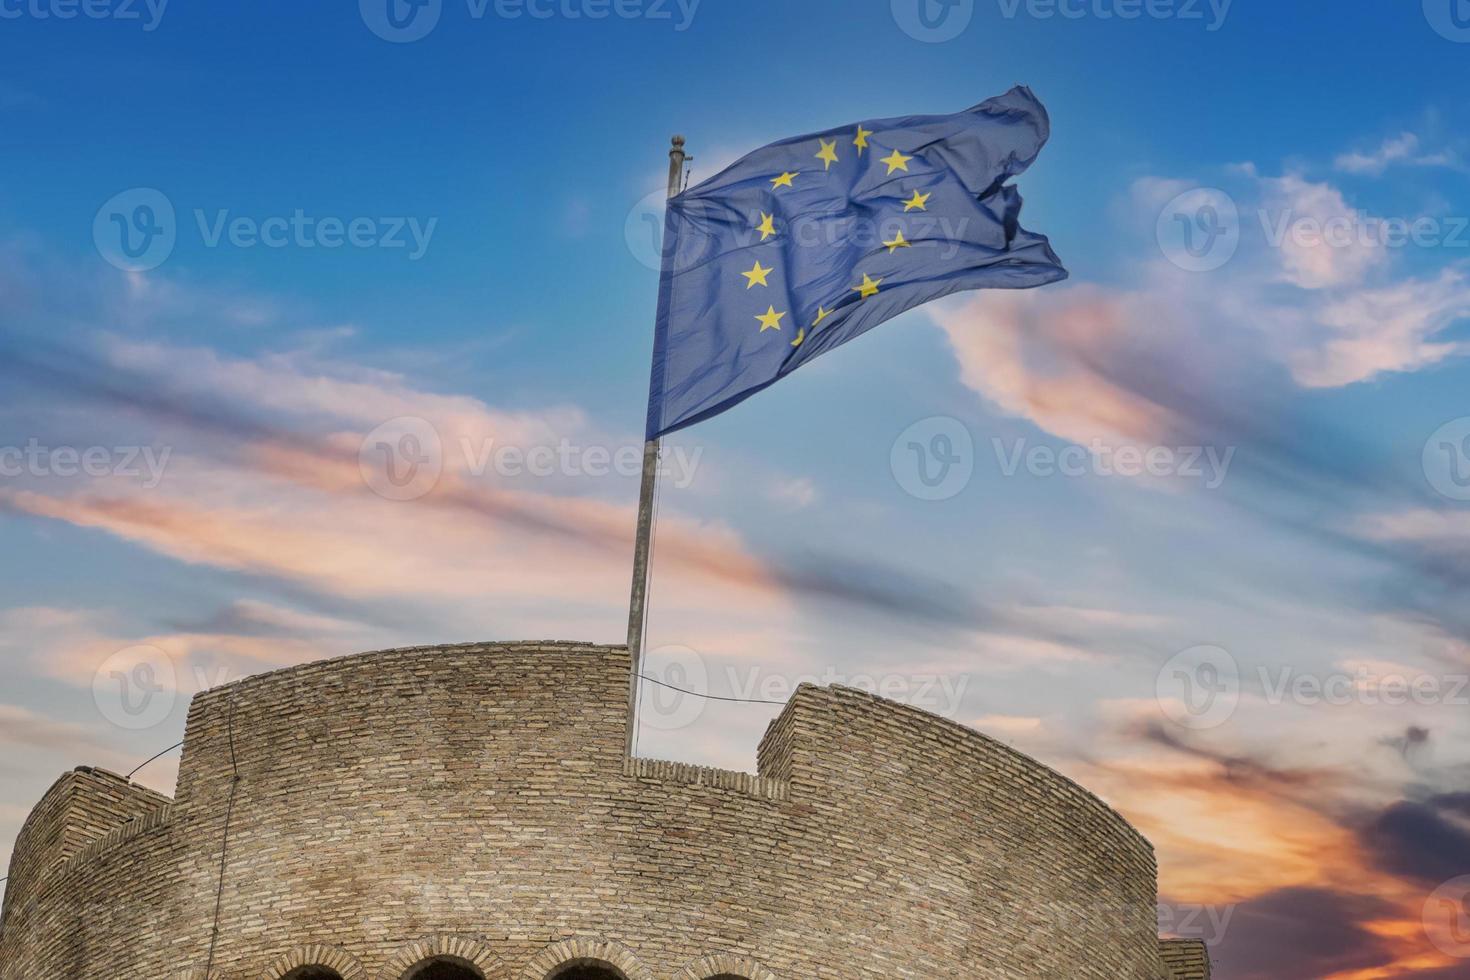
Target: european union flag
809,242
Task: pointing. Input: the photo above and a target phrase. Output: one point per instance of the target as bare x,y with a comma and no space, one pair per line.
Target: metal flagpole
638,606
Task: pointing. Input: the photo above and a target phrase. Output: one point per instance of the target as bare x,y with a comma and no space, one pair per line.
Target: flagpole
638,605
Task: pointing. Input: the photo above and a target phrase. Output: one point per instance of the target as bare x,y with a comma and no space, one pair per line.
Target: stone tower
470,813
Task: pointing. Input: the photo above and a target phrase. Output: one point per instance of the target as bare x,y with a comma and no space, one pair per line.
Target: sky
369,366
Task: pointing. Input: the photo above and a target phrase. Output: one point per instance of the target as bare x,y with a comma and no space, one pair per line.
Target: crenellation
476,801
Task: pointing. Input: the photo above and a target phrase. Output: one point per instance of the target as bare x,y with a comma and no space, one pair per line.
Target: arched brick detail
457,947
318,954
720,964
585,951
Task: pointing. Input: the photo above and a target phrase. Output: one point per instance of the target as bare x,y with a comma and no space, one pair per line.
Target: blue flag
809,242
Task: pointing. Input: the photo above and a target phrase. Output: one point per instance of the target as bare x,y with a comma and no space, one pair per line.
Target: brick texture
1187,959
475,802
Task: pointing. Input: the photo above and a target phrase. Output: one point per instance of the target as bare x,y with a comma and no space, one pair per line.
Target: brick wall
1187,959
476,801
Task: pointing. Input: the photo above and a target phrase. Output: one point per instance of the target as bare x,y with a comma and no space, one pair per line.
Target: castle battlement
474,806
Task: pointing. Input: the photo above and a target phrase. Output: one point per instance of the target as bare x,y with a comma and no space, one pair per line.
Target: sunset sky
1204,540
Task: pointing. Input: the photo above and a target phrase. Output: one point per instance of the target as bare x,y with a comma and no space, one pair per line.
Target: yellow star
896,161
756,275
822,314
898,242
770,320
917,202
800,336
767,227
783,181
868,288
862,139
828,153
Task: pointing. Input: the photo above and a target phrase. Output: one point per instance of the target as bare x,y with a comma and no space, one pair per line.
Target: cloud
1404,149
1428,842
73,645
1006,725
1303,934
21,728
1053,357
1122,363
1320,240
1393,328
266,480
1407,744
794,492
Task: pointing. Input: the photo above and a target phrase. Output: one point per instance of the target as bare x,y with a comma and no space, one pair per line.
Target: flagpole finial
677,159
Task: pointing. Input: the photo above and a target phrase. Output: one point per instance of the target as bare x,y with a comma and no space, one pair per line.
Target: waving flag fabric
809,242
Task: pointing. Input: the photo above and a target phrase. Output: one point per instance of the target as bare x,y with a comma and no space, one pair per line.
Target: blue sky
1329,541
